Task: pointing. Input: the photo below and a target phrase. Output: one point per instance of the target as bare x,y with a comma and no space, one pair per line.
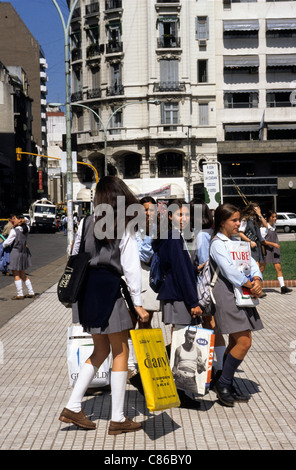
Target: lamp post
66,28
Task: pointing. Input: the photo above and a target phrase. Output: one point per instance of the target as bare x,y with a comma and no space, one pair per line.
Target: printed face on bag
231,225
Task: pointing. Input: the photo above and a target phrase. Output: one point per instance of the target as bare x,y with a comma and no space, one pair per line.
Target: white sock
132,360
118,387
219,353
29,287
85,376
19,288
281,281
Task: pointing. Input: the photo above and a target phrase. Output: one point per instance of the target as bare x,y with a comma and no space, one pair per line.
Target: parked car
286,221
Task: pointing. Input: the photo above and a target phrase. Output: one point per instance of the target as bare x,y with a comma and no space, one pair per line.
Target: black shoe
238,397
285,290
224,394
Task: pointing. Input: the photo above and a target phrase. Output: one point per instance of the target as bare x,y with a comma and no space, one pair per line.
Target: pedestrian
236,322
64,221
102,295
75,221
6,253
20,258
145,236
200,254
272,250
178,292
249,230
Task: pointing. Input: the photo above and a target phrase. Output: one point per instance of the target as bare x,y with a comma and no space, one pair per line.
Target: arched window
132,166
170,164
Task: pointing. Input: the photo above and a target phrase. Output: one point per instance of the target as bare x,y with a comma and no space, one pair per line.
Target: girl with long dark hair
237,322
102,310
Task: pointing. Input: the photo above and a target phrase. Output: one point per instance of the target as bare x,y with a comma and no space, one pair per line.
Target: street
45,248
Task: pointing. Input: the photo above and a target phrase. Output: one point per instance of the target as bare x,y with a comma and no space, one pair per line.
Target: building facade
256,125
222,73
125,57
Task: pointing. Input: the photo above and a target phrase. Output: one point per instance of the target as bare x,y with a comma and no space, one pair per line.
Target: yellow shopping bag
154,366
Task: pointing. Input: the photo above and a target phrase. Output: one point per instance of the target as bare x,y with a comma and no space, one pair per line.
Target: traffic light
18,154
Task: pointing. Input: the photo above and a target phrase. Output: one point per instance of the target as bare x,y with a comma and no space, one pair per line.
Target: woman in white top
101,295
272,250
237,322
20,258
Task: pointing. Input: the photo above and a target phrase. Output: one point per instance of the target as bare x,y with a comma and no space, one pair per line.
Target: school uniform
252,231
229,318
146,252
178,293
102,287
272,254
20,258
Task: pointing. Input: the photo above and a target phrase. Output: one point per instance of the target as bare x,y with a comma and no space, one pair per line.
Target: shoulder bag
73,278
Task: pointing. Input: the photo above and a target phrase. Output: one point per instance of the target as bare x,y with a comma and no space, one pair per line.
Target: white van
286,221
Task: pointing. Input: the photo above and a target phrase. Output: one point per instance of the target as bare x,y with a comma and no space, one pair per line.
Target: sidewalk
34,388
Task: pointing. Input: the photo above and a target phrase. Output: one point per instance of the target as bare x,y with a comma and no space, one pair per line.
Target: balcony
113,4
93,50
114,90
168,41
169,86
91,9
77,96
113,47
94,93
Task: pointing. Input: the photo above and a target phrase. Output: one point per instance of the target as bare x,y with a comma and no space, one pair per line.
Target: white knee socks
86,374
132,360
281,281
29,287
19,288
118,387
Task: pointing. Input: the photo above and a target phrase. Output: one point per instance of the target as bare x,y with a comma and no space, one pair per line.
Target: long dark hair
23,224
222,213
108,189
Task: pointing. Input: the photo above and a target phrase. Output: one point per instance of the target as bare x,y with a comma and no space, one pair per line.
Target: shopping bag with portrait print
79,347
191,360
154,366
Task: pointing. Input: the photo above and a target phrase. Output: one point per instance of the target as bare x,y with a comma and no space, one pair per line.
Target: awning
282,126
242,128
241,25
241,61
281,24
231,92
280,60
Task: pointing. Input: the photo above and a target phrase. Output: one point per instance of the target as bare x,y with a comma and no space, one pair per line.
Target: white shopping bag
241,256
79,348
192,351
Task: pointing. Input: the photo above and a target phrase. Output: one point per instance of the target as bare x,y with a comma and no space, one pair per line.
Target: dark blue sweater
180,282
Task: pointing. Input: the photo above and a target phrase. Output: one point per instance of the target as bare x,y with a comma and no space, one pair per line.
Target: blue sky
42,19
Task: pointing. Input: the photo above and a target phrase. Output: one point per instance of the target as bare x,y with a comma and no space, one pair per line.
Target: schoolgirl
272,250
237,322
102,310
178,293
20,258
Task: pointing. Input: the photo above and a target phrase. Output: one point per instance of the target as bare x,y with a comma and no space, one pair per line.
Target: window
170,164
114,37
202,28
132,166
241,99
202,71
168,32
203,114
94,120
116,122
170,115
169,74
116,87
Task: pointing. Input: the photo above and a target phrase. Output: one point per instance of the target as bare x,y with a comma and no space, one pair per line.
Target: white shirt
12,234
129,260
222,257
264,230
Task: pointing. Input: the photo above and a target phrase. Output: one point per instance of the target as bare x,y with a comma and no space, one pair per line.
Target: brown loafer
68,416
126,426
18,297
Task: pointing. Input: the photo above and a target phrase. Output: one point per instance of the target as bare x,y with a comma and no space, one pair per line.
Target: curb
289,283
